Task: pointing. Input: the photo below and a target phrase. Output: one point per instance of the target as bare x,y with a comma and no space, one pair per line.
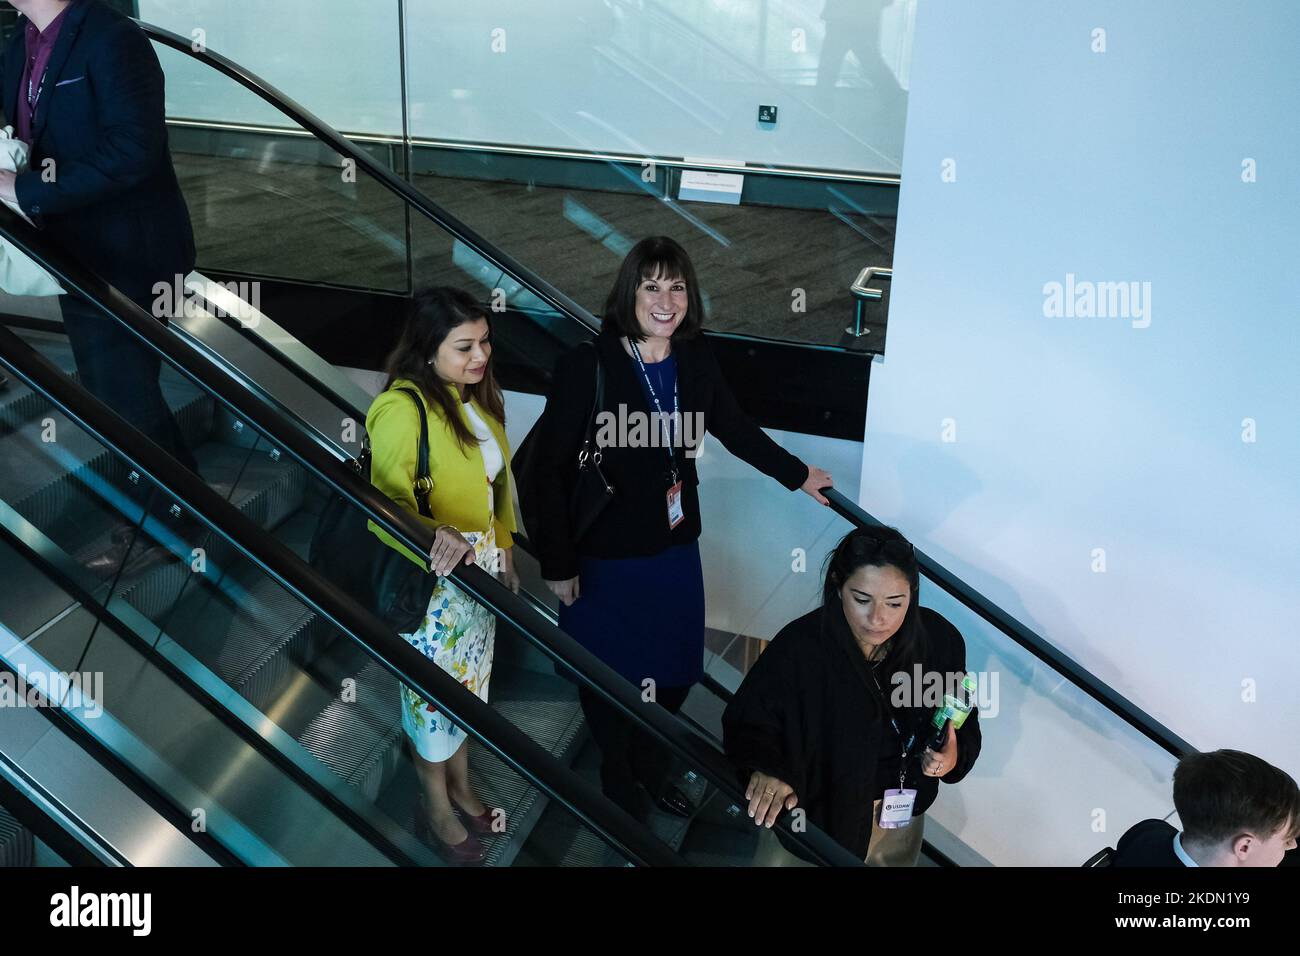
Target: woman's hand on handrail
818,478
767,796
449,549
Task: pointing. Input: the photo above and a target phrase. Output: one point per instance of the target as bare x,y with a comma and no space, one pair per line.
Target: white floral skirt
458,635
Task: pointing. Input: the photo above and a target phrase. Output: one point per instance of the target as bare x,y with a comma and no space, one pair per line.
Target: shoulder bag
352,557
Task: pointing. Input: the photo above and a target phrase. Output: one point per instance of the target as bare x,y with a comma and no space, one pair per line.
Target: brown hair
657,256
1223,793
434,313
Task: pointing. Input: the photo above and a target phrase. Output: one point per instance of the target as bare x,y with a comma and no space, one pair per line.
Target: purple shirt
40,47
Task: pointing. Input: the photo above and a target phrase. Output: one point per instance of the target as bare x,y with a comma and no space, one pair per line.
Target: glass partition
342,62
247,184
562,169
565,136
280,213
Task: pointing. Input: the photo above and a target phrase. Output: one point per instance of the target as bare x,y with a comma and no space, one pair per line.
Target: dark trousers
628,755
122,372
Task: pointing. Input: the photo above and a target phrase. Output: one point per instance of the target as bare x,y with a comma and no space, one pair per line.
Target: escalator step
19,405
360,740
268,493
244,626
47,481
17,846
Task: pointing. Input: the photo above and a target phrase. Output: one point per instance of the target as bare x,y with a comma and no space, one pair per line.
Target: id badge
896,809
675,513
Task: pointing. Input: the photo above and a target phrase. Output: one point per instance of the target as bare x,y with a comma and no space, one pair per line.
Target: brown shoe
467,852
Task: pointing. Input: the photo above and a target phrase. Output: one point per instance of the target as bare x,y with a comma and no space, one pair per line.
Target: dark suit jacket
114,201
635,523
1149,843
808,713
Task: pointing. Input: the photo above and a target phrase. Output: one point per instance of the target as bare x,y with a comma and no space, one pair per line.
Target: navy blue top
663,376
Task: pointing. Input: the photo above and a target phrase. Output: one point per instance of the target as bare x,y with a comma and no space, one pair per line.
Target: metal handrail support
863,292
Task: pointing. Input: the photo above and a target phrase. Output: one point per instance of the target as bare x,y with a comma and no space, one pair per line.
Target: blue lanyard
654,397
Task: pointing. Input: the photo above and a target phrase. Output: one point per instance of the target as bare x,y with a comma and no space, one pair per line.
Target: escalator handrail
1028,639
406,528
75,842
543,289
406,663
143,788
98,608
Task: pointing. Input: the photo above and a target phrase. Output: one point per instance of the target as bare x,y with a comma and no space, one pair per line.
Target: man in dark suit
1236,810
83,86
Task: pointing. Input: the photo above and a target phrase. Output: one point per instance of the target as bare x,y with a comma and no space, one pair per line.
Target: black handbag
591,491
354,559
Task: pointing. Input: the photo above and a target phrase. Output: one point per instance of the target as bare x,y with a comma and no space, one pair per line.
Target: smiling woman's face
660,305
463,356
875,603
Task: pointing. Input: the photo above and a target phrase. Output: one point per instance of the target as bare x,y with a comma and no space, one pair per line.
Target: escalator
259,672
297,697
233,622
66,801
252,697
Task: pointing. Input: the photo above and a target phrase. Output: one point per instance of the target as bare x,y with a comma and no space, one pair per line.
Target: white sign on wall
702,185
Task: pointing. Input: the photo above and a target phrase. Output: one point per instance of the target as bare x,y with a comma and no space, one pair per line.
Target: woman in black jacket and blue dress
832,718
631,589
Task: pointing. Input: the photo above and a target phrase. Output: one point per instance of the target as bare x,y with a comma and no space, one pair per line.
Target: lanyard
33,99
654,397
893,722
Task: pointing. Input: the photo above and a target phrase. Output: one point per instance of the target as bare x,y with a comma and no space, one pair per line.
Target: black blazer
114,201
809,714
635,524
1149,843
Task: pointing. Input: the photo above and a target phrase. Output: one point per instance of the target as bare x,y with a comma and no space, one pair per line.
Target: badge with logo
896,809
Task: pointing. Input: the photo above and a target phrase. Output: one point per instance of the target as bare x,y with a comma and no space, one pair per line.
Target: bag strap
597,401
423,476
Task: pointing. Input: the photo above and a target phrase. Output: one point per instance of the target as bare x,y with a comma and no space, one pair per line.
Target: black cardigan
1149,843
635,523
808,713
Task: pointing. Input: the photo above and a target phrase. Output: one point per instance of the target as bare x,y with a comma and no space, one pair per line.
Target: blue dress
644,616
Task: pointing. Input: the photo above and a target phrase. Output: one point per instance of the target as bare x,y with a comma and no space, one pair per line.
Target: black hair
880,547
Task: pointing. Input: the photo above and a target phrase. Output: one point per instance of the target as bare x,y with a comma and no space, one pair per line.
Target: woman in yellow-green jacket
444,354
